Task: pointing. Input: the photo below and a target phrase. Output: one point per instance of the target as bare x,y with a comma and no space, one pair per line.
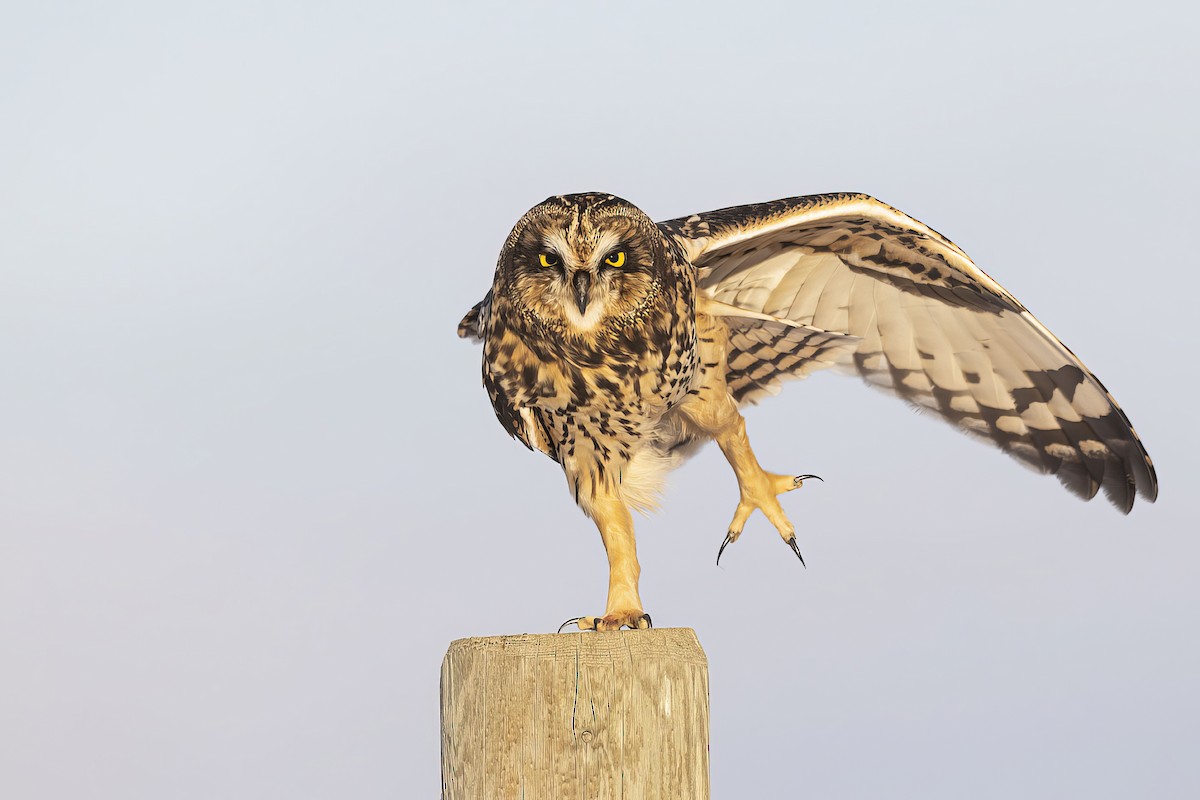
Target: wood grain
580,715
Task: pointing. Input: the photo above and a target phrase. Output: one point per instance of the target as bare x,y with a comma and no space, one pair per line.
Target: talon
799,479
796,550
612,622
729,537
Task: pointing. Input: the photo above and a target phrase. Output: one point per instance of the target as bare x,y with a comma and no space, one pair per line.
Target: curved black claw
596,621
799,478
796,550
728,539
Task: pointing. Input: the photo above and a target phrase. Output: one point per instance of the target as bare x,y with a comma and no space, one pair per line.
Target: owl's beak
582,280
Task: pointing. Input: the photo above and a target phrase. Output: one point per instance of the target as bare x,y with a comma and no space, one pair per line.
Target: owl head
582,263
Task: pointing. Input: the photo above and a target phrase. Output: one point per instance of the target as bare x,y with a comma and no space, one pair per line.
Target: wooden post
577,715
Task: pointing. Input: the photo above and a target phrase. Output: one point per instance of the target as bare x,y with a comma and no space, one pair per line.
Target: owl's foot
613,621
760,491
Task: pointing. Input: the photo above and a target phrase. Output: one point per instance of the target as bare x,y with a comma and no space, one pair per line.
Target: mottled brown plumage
615,346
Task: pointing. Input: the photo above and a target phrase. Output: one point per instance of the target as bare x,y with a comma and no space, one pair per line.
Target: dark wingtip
470,327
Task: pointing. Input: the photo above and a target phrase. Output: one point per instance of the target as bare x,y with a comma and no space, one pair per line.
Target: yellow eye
616,259
548,260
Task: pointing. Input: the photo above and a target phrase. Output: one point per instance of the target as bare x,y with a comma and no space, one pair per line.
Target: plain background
251,488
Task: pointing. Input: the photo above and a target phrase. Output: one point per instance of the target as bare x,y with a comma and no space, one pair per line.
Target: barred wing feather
857,285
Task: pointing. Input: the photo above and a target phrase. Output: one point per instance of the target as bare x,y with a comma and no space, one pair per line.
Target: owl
617,346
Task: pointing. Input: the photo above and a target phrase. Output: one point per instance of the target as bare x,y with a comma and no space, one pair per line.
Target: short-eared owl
616,346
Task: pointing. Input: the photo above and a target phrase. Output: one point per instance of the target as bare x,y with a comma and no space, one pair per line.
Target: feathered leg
624,608
713,411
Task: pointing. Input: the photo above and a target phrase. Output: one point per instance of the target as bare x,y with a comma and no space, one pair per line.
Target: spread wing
926,325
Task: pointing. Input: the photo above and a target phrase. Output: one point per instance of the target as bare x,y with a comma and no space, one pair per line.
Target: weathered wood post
578,715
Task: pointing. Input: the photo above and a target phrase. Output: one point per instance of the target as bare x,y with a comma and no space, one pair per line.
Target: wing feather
527,424
856,284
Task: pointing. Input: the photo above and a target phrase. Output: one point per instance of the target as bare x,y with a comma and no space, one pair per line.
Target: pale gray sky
250,486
